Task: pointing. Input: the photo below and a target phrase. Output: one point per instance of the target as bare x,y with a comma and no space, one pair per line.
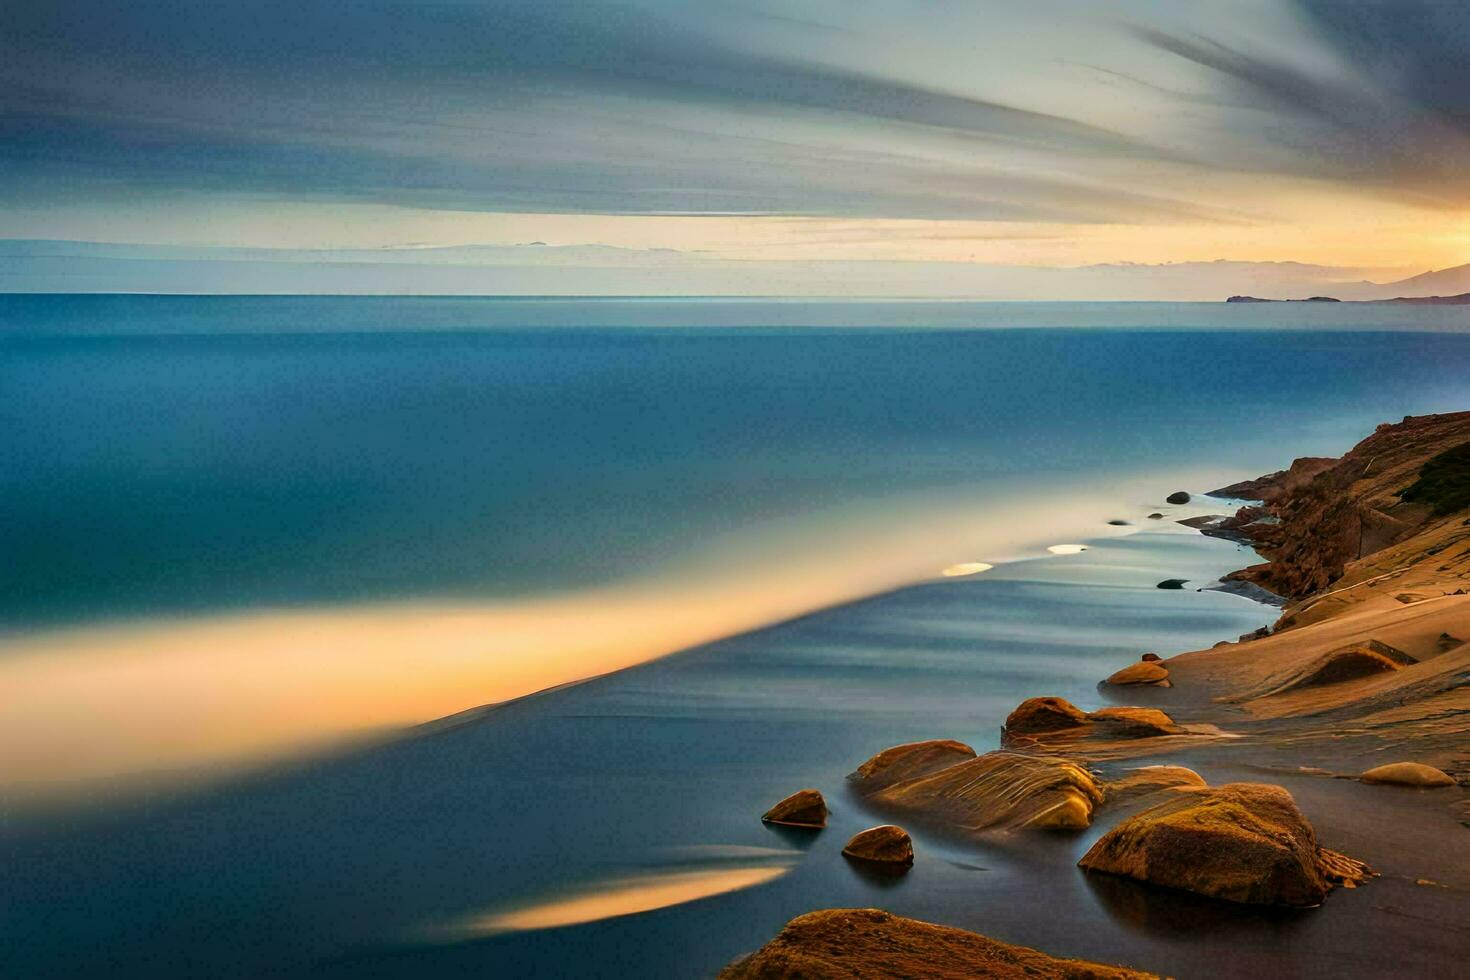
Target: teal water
180,457
168,454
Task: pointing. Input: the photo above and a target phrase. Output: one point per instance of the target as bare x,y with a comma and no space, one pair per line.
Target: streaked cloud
1053,112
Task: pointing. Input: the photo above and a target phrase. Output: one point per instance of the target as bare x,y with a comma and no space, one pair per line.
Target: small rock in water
1143,672
1172,583
804,808
1156,517
1178,497
1121,523
1408,774
884,845
1150,657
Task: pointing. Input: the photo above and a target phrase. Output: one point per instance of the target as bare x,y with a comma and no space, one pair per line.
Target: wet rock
1150,658
883,845
908,761
1121,523
1151,779
804,808
998,790
1156,517
1177,497
1143,672
1408,774
867,944
1135,722
1242,842
1044,715
1172,583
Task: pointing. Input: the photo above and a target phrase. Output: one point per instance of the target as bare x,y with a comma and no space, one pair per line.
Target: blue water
168,454
179,456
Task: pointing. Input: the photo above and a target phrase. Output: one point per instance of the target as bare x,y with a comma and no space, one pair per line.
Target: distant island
1460,299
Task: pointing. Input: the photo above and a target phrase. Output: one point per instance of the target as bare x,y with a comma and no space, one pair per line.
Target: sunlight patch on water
624,896
175,698
1067,549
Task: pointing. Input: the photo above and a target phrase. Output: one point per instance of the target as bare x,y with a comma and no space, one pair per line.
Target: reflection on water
624,896
1166,912
159,695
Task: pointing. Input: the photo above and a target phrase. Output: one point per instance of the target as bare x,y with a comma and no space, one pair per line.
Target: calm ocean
240,527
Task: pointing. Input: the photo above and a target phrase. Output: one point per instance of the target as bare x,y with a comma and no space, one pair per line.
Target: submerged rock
1044,715
995,791
1242,842
867,944
1156,517
1143,672
1177,497
804,808
1408,774
908,761
884,845
1172,583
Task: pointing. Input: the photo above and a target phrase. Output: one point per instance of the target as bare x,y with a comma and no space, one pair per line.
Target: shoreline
1347,680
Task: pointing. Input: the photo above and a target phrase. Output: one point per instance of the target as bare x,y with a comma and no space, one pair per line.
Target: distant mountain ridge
595,269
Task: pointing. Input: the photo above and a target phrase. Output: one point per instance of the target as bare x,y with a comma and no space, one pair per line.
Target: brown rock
1150,658
868,944
1151,779
1044,715
1135,722
1242,842
1408,774
909,762
886,844
999,790
804,808
1143,672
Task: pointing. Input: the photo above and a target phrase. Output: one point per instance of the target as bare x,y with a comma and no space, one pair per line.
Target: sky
1051,133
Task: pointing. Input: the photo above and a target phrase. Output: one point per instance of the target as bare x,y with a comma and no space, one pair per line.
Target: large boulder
1408,774
1044,715
867,944
1242,842
908,761
995,791
882,845
804,808
1178,497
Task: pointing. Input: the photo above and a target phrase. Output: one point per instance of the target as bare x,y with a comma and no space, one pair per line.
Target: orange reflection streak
624,897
